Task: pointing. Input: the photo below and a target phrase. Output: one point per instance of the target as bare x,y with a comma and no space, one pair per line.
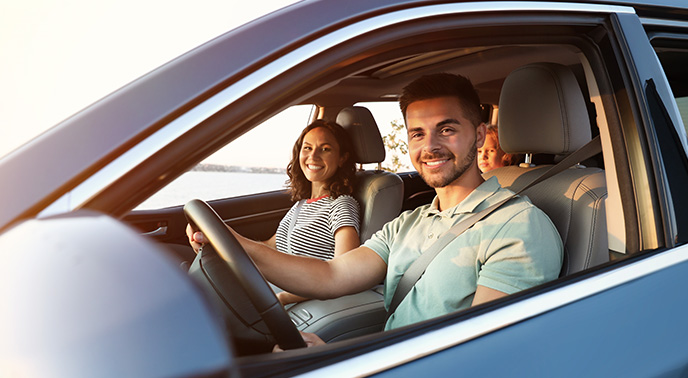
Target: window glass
683,108
673,55
391,124
256,162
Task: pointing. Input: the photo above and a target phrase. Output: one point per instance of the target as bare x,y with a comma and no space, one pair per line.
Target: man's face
442,142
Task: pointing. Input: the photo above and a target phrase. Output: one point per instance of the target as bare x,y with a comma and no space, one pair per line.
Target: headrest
364,134
542,110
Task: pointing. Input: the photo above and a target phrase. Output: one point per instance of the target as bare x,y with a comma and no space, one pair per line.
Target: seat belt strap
417,268
292,224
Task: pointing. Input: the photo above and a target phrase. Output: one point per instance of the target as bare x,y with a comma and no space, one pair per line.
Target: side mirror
84,295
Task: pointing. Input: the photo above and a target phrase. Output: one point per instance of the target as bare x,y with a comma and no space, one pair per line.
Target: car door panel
255,216
623,321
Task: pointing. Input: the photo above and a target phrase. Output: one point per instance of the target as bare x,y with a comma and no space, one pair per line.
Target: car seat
380,193
543,111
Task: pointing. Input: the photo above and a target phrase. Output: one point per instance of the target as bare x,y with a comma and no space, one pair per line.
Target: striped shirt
316,224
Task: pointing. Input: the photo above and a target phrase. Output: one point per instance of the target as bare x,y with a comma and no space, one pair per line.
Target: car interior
105,277
549,97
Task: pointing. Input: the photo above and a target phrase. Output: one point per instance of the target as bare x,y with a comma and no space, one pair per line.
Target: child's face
490,156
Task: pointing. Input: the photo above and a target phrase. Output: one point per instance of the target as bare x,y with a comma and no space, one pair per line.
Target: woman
324,221
491,156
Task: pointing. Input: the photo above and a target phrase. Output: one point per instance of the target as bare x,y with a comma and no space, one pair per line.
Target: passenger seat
379,193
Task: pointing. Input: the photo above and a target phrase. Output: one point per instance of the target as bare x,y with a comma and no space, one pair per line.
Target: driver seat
542,110
380,193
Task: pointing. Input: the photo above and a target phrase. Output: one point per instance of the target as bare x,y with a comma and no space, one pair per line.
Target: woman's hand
311,340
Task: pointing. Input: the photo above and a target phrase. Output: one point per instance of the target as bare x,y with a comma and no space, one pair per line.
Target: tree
396,145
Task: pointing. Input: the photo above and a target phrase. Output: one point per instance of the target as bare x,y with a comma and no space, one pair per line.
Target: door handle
160,231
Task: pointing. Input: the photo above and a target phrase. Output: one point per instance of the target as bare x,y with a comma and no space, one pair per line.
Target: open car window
256,161
390,121
253,163
488,62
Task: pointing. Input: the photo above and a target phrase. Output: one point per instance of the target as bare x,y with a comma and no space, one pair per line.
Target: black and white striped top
316,223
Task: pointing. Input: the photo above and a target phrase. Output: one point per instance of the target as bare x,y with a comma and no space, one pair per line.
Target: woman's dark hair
342,182
443,85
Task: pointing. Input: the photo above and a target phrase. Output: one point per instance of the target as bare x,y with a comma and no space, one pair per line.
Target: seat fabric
542,110
379,193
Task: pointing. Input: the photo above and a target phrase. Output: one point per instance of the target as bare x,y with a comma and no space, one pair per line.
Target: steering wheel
203,218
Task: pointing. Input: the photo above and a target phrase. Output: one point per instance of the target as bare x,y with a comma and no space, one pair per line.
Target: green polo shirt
514,248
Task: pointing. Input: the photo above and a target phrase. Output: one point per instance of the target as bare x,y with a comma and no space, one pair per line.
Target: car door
621,319
605,318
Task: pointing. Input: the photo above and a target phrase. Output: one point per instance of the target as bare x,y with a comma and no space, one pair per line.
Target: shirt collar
470,203
311,200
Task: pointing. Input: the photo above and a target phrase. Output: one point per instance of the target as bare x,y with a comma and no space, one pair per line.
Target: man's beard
440,181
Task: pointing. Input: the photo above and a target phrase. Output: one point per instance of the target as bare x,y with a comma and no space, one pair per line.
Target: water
213,185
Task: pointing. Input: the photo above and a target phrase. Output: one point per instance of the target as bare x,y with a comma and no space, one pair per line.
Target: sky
58,57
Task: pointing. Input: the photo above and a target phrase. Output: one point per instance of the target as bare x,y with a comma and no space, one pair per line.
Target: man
514,248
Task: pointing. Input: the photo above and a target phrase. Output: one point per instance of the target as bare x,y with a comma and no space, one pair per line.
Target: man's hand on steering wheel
203,218
196,239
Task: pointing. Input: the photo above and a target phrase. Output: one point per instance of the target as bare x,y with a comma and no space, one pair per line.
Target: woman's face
320,156
490,156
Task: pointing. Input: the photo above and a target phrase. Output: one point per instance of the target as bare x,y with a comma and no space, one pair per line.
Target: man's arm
484,294
355,271
527,251
345,239
272,242
352,272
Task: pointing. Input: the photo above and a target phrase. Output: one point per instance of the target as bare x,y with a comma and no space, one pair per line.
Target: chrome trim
663,22
441,339
136,155
160,231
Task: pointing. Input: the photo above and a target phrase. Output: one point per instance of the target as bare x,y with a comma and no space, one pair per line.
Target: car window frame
241,113
640,66
536,292
668,122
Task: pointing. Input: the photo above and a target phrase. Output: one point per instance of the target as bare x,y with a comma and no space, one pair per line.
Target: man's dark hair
341,182
443,85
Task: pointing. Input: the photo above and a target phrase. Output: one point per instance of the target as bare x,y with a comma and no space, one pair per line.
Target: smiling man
514,248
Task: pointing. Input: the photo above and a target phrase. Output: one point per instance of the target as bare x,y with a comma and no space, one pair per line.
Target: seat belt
417,268
292,224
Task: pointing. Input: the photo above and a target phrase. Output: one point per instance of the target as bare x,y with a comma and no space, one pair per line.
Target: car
93,285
